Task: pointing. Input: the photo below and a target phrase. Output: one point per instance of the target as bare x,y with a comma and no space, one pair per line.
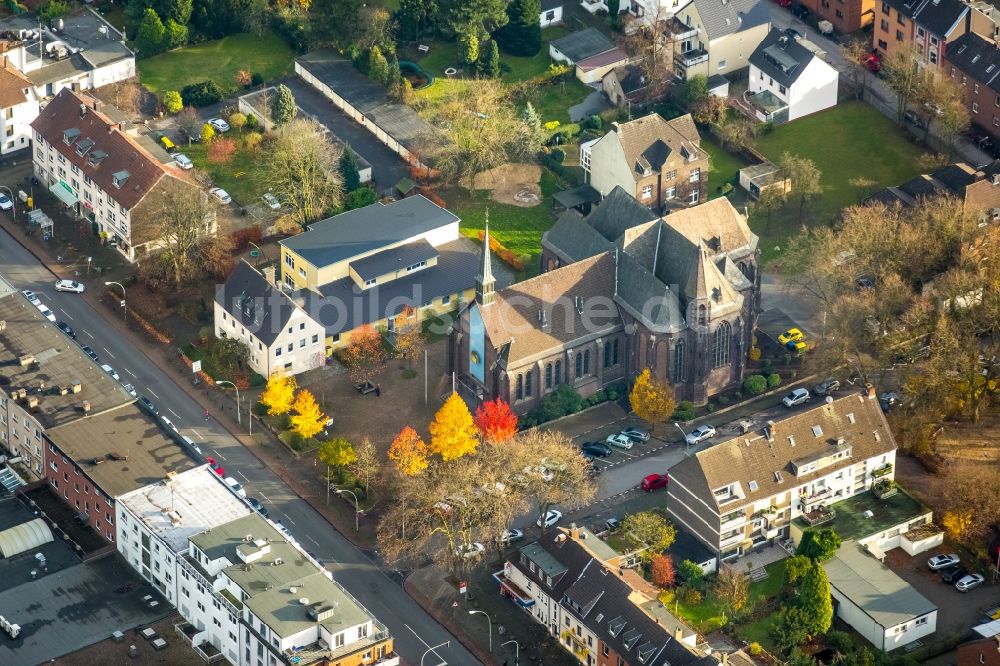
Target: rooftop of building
81,28
38,358
852,520
583,44
781,57
121,450
190,503
723,17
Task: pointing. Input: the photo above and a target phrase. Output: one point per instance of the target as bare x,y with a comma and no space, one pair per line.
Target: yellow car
791,335
797,346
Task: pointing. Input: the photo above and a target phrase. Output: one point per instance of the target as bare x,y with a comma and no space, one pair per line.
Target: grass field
219,61
840,142
238,177
725,166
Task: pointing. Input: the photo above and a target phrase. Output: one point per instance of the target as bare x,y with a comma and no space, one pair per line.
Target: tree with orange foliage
365,355
453,432
409,452
221,151
662,572
496,421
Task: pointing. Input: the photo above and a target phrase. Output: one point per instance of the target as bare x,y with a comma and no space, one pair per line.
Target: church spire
484,281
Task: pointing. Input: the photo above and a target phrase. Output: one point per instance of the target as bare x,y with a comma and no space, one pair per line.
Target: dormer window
83,146
630,638
96,157
616,625
118,178
70,135
646,652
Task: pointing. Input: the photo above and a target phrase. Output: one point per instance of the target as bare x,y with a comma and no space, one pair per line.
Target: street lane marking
152,393
289,519
313,540
91,336
265,497
197,434
173,412
131,373
426,645
68,315
247,480
218,455
108,353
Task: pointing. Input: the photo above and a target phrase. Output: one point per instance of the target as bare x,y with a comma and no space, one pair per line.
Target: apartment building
572,583
246,585
18,107
102,174
973,62
930,26
847,16
745,492
978,190
713,37
52,384
659,162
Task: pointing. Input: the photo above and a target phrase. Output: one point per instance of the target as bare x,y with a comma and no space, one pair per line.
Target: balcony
679,31
198,640
730,540
819,516
307,654
881,471
731,524
691,58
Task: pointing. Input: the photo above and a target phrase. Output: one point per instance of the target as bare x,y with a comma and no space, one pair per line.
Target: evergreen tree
378,67
470,47
531,119
149,36
283,107
394,78
814,599
336,22
174,34
416,17
489,61
522,36
175,10
349,169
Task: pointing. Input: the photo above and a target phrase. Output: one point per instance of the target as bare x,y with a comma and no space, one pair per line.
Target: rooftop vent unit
277,562
98,460
321,611
3,323
248,538
86,407
26,360
304,601
63,390
115,455
32,402
76,386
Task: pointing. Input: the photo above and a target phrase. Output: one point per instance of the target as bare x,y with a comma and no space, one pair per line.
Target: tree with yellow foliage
956,523
279,394
308,419
453,432
651,400
409,452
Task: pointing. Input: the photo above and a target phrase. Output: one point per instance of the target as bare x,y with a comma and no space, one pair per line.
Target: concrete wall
148,555
608,166
815,90
921,545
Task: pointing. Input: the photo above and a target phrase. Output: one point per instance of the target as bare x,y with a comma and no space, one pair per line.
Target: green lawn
238,177
842,142
443,55
218,60
725,166
518,229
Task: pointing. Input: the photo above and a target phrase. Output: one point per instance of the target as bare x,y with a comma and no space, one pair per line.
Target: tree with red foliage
662,571
365,355
221,151
496,421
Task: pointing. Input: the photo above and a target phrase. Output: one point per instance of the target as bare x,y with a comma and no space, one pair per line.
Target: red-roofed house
18,107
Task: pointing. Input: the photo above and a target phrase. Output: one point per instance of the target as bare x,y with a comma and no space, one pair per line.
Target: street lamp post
357,509
118,284
431,649
239,417
517,650
683,434
488,619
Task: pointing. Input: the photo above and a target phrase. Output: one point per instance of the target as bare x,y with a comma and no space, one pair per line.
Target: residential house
107,179
658,162
249,588
648,12
876,602
978,190
18,107
974,63
625,85
929,26
572,583
551,14
590,52
368,266
717,36
685,287
847,16
788,80
757,178
745,491
983,652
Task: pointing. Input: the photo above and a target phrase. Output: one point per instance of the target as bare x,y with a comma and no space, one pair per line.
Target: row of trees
280,397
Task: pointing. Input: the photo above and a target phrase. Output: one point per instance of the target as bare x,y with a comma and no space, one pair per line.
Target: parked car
5,202
183,161
130,389
793,34
552,517
167,144
799,396
219,125
596,449
364,388
216,467
873,61
148,405
654,482
235,486
111,371
271,201
613,524
699,434
889,399
32,298
511,535
636,435
800,12
89,352
190,442
66,328
221,195
469,551
790,335
953,574
827,386
942,561
167,423
966,583
797,346
71,286
620,440
46,312
256,505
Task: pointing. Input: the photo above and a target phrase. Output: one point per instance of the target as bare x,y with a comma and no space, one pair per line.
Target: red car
216,467
654,482
784,3
873,61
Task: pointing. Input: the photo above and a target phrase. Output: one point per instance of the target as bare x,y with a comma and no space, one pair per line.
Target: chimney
870,390
769,430
96,103
996,179
725,657
574,531
83,110
269,275
678,634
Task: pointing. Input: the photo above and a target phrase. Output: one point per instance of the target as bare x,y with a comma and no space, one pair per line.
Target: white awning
24,537
62,192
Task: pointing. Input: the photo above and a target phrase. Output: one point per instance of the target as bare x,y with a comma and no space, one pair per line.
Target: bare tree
301,167
652,45
367,465
561,475
179,217
903,75
854,53
189,122
804,177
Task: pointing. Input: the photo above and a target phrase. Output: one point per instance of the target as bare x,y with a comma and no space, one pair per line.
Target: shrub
766,368
559,155
202,94
773,380
295,440
241,238
504,253
755,649
691,596
596,122
723,400
710,408
259,409
755,353
221,151
755,384
359,198
564,400
256,79
172,101
684,411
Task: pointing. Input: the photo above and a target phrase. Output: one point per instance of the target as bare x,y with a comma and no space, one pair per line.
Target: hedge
504,253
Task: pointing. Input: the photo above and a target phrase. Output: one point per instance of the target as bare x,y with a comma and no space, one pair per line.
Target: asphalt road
414,630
